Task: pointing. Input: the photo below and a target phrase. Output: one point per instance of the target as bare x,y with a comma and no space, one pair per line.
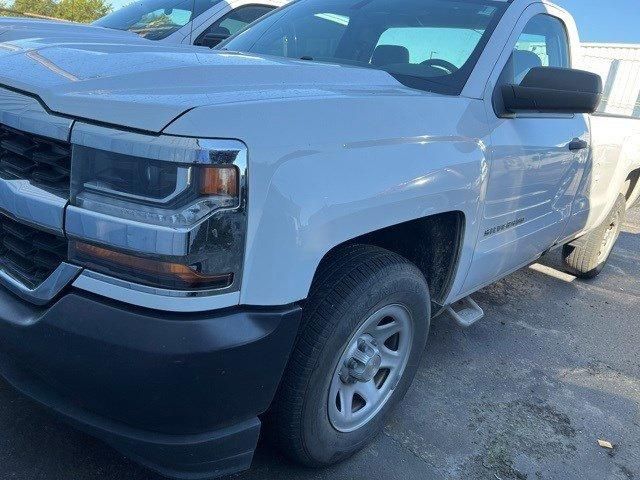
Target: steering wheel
441,65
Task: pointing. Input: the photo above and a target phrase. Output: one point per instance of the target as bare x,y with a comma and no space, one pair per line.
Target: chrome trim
126,234
161,292
156,298
18,197
47,290
26,114
30,204
166,148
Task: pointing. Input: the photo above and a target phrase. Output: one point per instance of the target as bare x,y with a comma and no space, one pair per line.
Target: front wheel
587,256
364,328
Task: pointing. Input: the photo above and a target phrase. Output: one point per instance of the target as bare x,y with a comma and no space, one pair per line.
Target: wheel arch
437,255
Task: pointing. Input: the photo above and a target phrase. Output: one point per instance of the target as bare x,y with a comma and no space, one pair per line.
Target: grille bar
43,161
29,254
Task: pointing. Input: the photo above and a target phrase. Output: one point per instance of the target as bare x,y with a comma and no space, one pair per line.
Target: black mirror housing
213,37
553,90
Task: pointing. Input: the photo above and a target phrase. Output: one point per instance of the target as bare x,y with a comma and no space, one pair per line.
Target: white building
619,67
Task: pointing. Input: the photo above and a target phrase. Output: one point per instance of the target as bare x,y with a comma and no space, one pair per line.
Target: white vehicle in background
198,22
178,22
18,28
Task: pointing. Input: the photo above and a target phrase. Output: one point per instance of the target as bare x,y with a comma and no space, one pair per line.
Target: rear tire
587,256
358,293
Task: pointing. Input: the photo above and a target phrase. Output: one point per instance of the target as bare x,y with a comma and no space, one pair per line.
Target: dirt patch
520,435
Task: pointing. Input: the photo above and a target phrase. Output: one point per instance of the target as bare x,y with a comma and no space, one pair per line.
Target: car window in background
155,19
427,44
241,17
232,23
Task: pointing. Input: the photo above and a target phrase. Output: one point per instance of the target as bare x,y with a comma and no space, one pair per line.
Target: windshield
155,19
428,44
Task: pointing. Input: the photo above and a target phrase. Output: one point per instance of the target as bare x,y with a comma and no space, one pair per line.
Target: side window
543,43
232,23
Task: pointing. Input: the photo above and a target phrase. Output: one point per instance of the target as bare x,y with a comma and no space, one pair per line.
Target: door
534,166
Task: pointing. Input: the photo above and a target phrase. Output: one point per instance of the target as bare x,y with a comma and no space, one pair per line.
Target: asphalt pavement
524,394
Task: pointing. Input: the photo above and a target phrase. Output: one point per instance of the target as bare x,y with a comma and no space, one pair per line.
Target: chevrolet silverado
197,245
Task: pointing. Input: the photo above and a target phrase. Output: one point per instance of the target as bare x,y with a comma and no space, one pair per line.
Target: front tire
587,256
363,332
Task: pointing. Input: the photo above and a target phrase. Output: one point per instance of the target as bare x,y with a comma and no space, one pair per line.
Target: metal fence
619,67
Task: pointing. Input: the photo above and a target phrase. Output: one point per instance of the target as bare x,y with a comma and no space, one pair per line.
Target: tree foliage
84,11
38,7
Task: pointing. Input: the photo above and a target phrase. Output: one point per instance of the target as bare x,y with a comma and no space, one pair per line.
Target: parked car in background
194,241
198,22
17,28
181,22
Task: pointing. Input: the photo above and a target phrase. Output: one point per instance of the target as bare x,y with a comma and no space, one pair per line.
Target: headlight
167,212
151,191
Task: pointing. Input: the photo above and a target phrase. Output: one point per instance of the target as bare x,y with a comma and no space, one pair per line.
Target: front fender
323,173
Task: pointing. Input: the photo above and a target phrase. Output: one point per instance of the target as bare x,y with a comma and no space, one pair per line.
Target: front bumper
179,393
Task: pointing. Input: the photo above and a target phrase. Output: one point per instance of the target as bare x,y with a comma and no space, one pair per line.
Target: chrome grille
28,254
44,162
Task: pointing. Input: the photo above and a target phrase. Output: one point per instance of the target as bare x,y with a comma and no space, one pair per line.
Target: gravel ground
524,394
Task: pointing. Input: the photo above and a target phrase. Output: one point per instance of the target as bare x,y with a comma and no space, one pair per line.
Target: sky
618,21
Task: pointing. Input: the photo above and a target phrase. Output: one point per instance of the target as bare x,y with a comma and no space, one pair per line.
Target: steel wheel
370,368
610,237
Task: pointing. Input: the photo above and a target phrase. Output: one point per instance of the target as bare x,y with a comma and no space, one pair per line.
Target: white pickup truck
177,22
197,241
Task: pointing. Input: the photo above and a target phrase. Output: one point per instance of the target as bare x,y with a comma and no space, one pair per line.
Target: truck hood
145,86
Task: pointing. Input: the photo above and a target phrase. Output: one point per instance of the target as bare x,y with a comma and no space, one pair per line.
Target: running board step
465,312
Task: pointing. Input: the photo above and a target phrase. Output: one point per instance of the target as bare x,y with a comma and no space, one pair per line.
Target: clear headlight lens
202,203
150,191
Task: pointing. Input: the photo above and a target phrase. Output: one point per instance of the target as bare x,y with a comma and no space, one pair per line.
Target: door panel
531,187
533,175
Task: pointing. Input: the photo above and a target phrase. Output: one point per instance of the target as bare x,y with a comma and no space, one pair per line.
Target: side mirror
213,37
552,90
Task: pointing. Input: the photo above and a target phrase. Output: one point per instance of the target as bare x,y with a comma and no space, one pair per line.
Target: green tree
38,7
84,11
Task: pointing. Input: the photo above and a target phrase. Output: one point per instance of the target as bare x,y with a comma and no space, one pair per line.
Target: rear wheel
364,328
587,256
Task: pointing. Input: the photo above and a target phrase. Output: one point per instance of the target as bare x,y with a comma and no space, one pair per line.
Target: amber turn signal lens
173,275
220,181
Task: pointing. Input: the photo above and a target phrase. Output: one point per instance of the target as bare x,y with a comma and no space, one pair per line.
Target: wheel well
431,243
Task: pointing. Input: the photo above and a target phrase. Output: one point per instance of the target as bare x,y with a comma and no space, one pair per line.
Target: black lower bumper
179,393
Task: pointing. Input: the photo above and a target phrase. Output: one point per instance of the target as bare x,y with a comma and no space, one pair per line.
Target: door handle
577,144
